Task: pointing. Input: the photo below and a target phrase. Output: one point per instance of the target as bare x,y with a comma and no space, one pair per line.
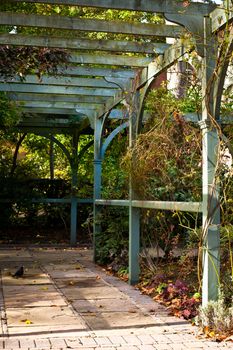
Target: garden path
64,301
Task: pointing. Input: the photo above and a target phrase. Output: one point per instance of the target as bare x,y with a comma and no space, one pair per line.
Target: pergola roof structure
100,71
104,75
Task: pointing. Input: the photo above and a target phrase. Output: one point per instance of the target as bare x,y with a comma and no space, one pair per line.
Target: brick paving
64,301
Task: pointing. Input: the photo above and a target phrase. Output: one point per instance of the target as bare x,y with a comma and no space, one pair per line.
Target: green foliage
112,241
10,114
165,165
115,179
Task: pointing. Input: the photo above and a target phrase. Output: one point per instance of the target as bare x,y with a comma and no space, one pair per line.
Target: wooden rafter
167,6
83,44
89,25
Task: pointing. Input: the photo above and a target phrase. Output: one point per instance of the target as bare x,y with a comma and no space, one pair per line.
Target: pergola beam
97,72
166,6
89,25
110,59
114,83
52,98
82,44
63,111
48,89
59,105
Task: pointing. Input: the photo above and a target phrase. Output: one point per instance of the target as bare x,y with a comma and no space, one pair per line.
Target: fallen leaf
26,321
78,267
98,277
44,288
230,338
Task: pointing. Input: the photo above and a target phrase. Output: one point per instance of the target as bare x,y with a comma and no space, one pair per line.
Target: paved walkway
64,301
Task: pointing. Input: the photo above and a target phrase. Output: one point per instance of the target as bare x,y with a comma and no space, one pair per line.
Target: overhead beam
89,25
59,105
52,98
97,72
82,44
50,89
168,6
68,81
54,111
110,59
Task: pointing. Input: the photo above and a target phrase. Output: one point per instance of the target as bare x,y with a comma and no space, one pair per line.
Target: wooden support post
210,144
134,213
74,183
97,181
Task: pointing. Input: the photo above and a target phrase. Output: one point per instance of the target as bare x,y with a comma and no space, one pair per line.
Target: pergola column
210,193
134,213
74,183
97,180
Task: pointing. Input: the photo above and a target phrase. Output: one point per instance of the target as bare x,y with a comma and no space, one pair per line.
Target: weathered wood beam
69,81
59,105
159,205
82,44
168,6
89,25
110,59
220,18
97,72
50,89
63,111
52,98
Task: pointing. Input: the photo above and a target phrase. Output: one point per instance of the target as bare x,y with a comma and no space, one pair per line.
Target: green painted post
74,182
134,244
97,181
134,213
210,152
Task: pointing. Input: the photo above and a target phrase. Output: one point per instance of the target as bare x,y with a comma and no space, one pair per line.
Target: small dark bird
19,272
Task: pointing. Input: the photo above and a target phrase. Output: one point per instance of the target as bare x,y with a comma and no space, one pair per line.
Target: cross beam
89,25
113,83
168,6
82,44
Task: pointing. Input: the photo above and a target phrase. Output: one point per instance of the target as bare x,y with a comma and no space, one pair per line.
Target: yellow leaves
78,267
44,288
26,321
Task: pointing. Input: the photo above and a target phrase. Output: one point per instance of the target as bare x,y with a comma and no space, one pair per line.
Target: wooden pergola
102,77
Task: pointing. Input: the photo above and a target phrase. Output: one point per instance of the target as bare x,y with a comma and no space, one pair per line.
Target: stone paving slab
37,295
103,313
32,278
104,305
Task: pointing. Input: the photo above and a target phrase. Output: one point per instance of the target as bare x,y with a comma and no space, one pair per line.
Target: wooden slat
97,72
110,59
49,89
54,111
159,6
69,81
59,105
82,44
89,25
56,98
